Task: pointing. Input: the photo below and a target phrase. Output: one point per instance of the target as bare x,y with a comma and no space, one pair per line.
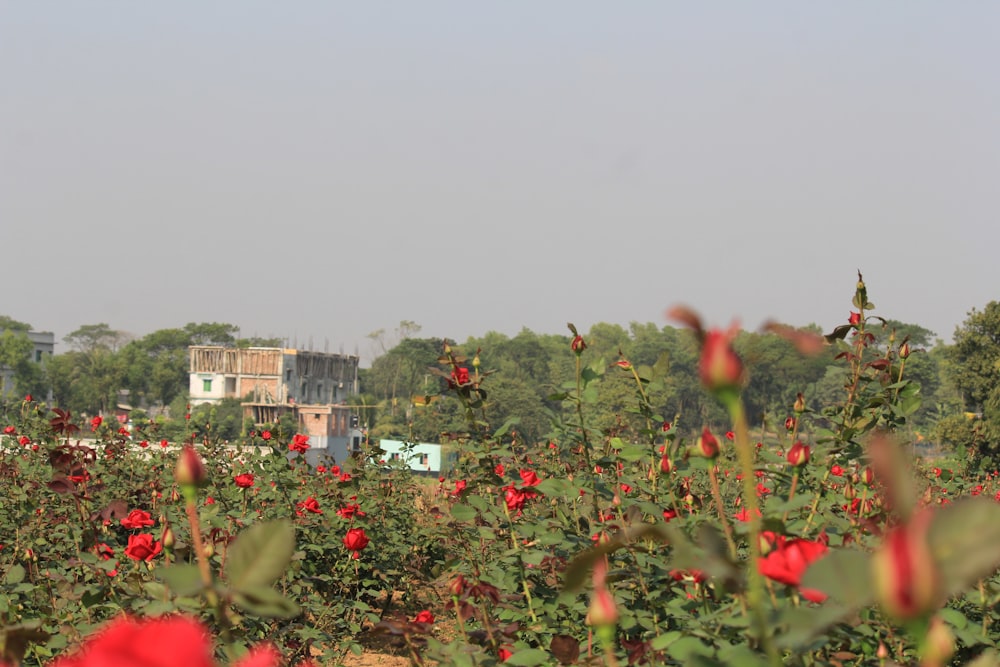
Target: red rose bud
457,586
798,455
720,367
868,477
706,446
939,645
907,582
855,319
190,469
578,345
666,465
800,403
904,350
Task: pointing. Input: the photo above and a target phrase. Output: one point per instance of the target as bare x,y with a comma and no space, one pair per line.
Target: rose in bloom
265,435
666,426
504,653
730,435
144,444
344,477
95,423
424,617
529,478
164,443
355,541
244,481
350,511
837,471
166,641
309,505
137,519
300,443
209,500
142,547
669,515
24,441
460,375
744,516
798,454
854,319
499,469
788,561
514,498
9,430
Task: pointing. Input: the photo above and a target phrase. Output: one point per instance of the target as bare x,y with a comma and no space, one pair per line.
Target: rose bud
706,446
798,454
720,367
190,469
906,578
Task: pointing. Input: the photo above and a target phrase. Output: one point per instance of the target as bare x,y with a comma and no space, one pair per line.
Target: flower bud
190,469
800,403
904,350
939,644
790,423
457,586
905,574
854,319
578,345
868,477
666,465
720,367
798,454
706,446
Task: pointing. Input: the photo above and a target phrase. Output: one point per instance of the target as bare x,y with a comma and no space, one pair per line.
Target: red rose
905,573
514,498
95,423
137,519
350,511
798,455
244,481
706,446
790,423
788,561
309,505
266,435
424,617
529,478
355,541
837,471
855,319
24,441
720,367
459,487
142,547
460,375
9,430
300,443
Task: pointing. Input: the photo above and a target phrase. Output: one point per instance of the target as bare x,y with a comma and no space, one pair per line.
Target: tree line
403,397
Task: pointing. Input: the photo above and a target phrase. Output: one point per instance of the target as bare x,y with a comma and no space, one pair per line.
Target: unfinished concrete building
271,381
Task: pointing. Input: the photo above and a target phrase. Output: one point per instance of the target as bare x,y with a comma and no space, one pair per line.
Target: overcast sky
319,170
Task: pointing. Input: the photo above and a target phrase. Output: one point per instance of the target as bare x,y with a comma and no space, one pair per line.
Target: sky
320,170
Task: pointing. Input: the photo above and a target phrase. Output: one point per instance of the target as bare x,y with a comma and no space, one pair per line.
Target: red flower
9,430
720,367
355,541
666,465
855,319
460,375
142,547
209,500
95,423
144,444
344,476
789,561
906,575
309,505
504,653
730,436
744,516
578,345
529,478
514,498
350,511
164,443
167,641
666,426
300,443
837,471
24,441
669,515
790,423
624,363
424,617
190,468
137,519
265,435
244,481
706,446
798,454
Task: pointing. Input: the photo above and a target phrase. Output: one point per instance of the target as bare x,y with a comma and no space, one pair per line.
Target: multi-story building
44,345
272,381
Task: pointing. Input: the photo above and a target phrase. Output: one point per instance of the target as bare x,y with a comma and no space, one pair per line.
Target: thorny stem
717,496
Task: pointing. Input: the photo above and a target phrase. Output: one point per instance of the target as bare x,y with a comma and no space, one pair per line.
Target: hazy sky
323,169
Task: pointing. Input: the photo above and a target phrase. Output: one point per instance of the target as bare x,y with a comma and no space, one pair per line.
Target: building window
38,355
424,459
206,385
394,456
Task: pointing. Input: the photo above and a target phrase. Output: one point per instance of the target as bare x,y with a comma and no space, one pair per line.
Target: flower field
823,542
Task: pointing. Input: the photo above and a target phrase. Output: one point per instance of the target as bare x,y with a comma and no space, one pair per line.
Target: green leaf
845,575
260,555
182,580
15,574
462,512
686,648
965,540
265,601
528,657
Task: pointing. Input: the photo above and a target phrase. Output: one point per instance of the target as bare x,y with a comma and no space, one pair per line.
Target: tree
974,369
8,323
